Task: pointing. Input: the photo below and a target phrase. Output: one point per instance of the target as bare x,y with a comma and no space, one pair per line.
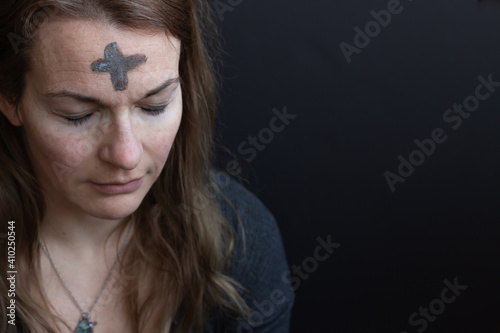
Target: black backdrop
324,173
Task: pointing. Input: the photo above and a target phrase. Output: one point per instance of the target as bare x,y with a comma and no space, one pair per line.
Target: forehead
65,50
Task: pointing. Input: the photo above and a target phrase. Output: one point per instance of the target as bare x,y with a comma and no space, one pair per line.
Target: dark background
324,173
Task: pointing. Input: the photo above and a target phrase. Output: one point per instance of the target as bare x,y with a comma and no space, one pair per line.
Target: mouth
118,187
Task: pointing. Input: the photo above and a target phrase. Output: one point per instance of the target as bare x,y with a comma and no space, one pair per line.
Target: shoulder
255,228
259,263
235,200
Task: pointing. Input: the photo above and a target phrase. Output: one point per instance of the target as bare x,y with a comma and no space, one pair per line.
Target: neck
80,234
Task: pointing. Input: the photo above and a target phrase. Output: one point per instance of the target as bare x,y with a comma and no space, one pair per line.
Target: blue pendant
86,326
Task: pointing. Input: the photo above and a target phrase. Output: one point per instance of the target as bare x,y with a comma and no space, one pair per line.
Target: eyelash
79,121
150,111
155,111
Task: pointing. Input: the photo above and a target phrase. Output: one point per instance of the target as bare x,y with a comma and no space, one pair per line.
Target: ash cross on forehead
117,65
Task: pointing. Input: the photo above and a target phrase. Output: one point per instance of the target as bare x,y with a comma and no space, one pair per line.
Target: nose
121,146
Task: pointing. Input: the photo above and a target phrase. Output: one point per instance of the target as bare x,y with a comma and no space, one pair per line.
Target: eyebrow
162,87
93,100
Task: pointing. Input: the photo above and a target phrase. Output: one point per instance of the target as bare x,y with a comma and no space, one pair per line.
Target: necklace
86,325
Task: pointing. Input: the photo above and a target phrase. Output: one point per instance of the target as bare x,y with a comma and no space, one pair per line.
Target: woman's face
101,110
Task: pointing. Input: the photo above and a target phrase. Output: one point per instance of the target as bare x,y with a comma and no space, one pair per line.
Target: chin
113,209
112,216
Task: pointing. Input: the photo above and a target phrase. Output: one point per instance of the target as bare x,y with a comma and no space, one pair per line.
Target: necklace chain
87,314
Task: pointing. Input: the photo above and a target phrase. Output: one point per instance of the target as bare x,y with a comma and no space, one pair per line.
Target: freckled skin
119,142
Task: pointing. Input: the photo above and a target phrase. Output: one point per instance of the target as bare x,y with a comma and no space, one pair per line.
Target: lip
118,188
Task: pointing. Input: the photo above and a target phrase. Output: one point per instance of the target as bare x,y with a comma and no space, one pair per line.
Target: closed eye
80,120
155,111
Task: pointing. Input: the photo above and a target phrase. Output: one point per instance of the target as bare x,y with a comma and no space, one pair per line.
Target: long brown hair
181,251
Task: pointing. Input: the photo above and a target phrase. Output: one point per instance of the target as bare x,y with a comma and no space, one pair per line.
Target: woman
107,109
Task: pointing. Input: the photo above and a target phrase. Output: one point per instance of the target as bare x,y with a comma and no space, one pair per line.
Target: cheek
162,138
54,154
160,144
55,151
